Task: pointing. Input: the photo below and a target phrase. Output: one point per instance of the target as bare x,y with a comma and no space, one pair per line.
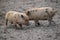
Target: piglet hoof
15,26
38,24
52,24
21,27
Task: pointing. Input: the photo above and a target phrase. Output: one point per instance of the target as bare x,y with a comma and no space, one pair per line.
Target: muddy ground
30,32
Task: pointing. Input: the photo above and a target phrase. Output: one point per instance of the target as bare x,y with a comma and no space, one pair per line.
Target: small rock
11,37
39,38
49,36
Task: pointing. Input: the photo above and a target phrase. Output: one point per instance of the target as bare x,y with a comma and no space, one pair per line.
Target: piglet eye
22,16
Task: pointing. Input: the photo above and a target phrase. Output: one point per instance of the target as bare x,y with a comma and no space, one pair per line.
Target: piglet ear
28,13
22,16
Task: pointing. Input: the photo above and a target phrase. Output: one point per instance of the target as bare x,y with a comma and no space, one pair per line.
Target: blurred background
38,33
